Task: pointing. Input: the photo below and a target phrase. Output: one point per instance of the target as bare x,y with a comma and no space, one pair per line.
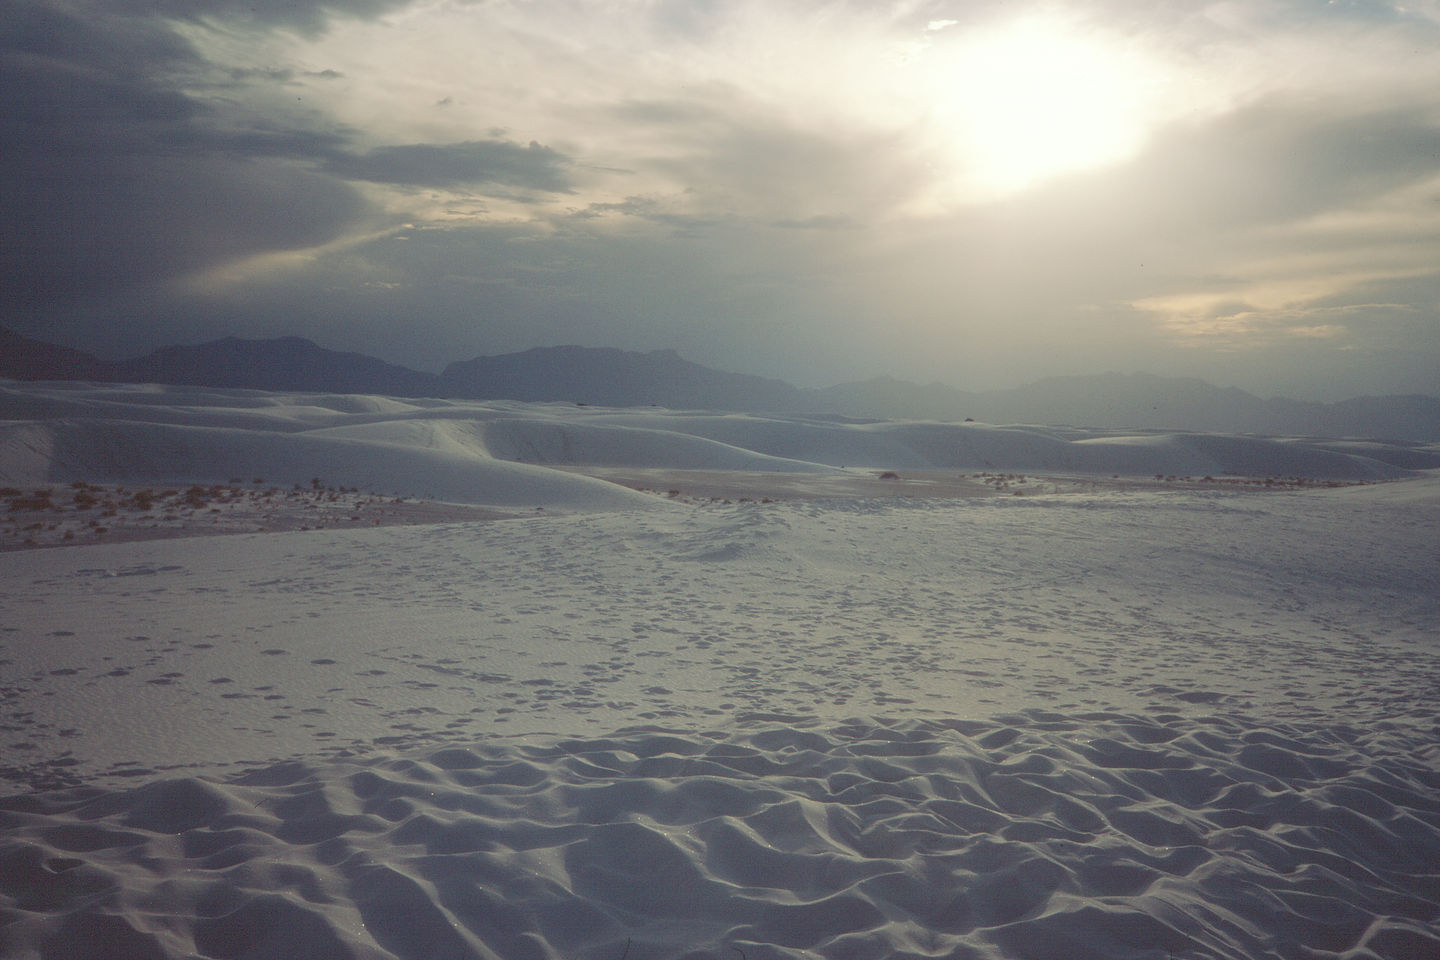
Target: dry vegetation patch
81,512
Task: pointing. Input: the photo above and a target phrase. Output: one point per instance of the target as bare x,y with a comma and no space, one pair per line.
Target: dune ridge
487,453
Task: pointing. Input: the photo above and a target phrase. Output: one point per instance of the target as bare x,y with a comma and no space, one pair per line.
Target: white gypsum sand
1040,700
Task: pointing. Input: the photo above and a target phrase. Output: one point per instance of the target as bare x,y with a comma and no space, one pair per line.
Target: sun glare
1022,103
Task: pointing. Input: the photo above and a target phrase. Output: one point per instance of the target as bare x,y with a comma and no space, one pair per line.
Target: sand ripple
1038,836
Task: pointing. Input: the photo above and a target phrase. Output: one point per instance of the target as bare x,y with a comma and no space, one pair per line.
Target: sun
1021,103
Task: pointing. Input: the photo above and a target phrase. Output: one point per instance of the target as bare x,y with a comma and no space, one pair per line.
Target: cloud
474,162
760,185
723,155
116,179
820,222
39,30
1282,159
112,179
308,17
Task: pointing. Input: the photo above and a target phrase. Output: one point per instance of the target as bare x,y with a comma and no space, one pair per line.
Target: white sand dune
1106,718
472,452
1038,836
117,451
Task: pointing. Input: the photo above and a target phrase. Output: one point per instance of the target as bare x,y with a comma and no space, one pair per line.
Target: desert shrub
40,500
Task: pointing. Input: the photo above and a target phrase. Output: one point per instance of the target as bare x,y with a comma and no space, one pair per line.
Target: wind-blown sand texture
1036,835
1097,713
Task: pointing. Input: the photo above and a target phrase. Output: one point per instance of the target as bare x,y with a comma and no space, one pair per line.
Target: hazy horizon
978,194
438,370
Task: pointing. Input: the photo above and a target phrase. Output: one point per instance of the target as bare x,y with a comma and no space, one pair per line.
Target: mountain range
611,377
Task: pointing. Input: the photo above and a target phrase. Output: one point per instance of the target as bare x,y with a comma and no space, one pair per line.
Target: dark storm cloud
307,17
111,178
500,162
35,29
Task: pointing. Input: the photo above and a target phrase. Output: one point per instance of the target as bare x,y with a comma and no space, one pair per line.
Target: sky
976,193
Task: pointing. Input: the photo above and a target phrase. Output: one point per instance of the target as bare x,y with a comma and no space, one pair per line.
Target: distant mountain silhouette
889,398
284,364
22,358
617,378
610,377
287,363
